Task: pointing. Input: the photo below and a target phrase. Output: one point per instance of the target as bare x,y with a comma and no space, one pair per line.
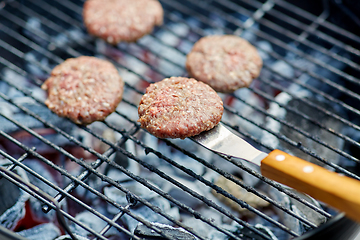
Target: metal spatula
329,187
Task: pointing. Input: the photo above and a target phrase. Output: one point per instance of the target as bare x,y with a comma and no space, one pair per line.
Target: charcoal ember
16,79
305,211
314,130
179,157
184,197
174,233
118,175
123,161
200,227
93,222
206,231
216,235
148,214
9,194
46,231
175,155
57,40
247,234
134,187
240,193
283,68
12,199
35,204
289,221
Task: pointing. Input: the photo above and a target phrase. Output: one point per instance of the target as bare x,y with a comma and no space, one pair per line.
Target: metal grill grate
318,59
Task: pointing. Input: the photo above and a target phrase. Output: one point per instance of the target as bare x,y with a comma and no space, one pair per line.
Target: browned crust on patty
122,20
226,62
179,107
84,89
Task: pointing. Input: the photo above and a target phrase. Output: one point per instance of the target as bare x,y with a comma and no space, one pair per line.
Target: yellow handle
340,192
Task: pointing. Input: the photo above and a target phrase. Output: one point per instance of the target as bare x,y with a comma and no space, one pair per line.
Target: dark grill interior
109,176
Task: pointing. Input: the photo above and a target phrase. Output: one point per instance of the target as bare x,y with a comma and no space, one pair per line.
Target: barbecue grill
113,180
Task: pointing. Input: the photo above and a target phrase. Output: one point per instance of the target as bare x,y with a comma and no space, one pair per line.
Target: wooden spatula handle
338,191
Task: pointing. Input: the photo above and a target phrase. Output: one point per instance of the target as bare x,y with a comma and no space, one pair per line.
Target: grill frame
129,134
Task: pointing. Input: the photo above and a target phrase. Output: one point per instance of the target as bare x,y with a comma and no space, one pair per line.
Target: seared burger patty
121,20
84,89
179,107
226,62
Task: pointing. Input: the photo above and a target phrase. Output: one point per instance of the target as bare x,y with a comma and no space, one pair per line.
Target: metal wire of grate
152,64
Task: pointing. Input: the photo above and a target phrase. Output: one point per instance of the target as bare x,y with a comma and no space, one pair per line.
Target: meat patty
226,62
122,20
179,107
84,89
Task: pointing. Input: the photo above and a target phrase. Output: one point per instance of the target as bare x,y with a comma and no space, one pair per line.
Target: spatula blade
221,140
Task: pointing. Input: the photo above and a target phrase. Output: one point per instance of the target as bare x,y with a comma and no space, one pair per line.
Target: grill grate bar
115,218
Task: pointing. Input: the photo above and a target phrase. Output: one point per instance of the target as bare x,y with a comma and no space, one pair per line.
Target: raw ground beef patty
122,20
225,62
84,89
179,107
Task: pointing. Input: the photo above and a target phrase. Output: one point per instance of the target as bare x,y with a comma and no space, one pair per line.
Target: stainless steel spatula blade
221,140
